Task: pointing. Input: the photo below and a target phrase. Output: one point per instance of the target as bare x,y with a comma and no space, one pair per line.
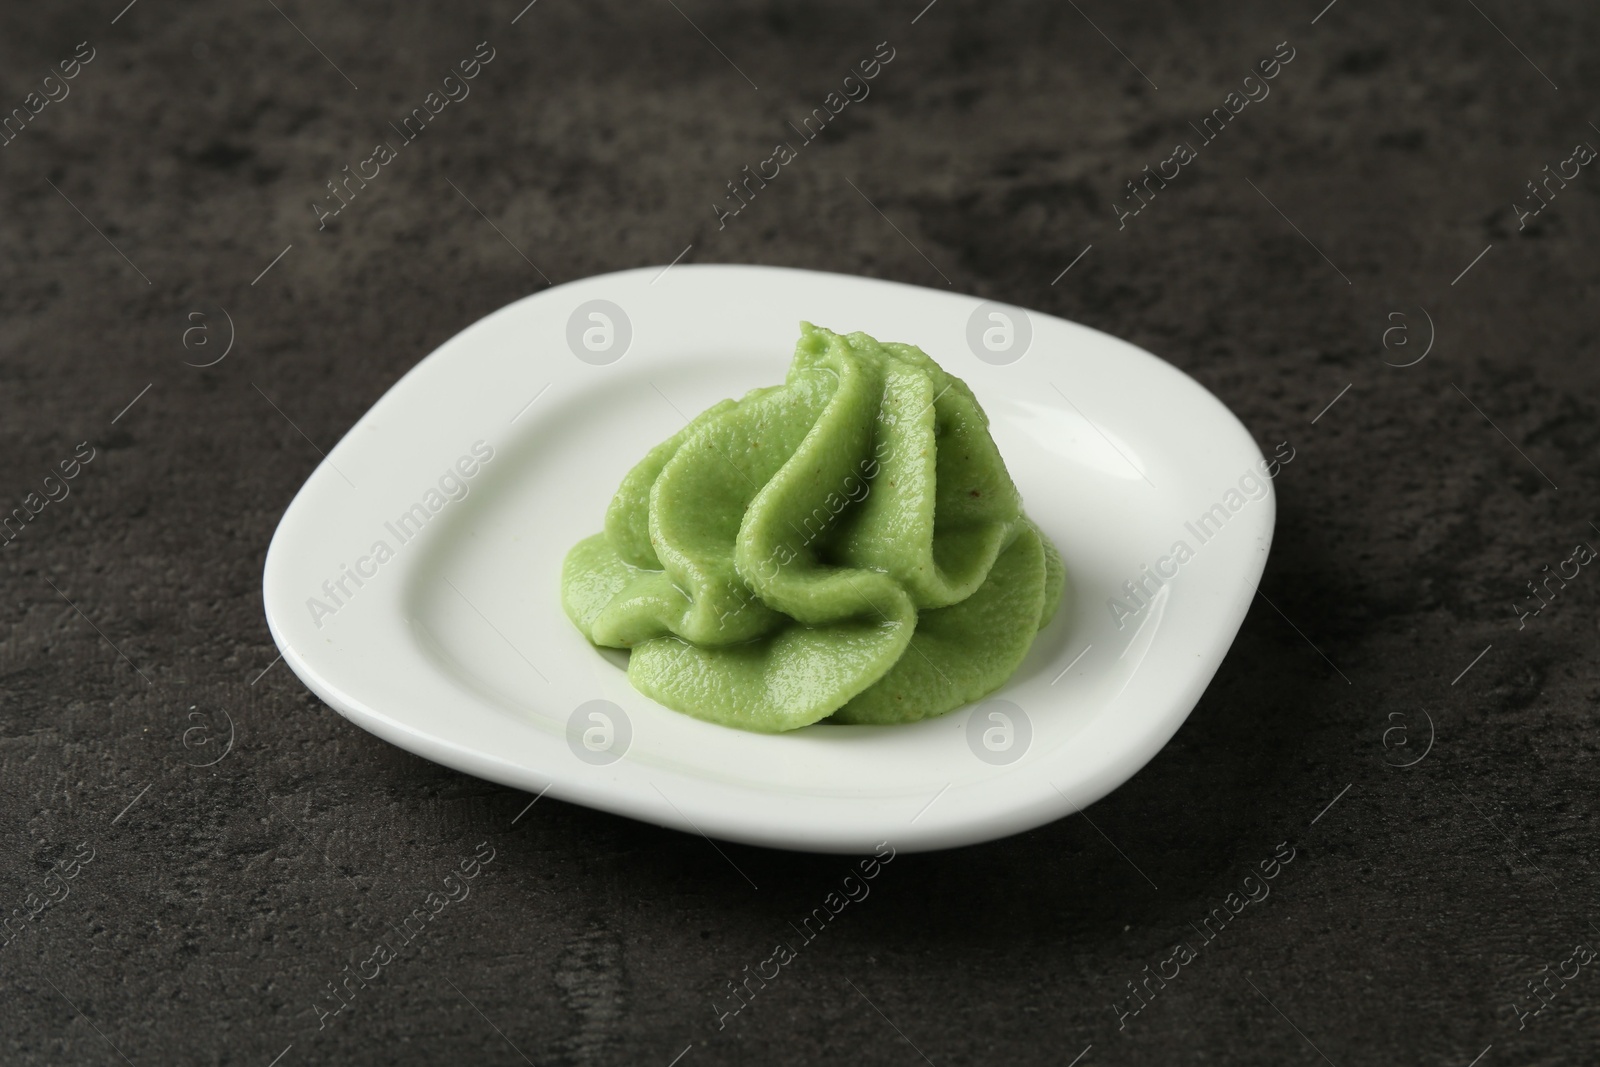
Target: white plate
455,646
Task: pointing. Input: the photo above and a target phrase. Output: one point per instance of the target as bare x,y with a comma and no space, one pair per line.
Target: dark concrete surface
222,901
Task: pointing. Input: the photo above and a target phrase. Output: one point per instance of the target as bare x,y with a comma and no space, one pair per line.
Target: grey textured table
1377,183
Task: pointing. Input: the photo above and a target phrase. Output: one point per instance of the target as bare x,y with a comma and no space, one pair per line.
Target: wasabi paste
845,546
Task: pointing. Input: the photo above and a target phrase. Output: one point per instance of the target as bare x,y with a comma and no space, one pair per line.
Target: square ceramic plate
413,583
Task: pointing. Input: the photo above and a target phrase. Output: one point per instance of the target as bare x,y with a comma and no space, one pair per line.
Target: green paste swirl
847,544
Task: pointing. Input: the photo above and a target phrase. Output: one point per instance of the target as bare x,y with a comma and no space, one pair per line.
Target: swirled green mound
846,544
